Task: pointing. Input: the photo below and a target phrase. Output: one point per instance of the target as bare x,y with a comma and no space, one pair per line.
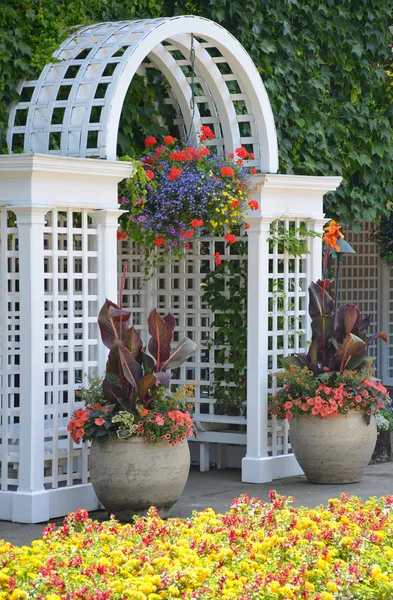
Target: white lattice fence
359,277
177,288
287,319
71,307
9,353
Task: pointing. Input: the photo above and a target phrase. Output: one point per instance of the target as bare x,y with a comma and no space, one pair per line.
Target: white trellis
59,260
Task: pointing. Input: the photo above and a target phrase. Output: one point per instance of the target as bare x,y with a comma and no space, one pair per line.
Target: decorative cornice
49,163
315,183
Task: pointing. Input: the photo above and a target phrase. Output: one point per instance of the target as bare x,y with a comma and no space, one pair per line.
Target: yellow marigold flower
52,597
331,586
326,596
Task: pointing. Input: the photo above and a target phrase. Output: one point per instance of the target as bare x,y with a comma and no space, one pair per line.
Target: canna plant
133,377
338,343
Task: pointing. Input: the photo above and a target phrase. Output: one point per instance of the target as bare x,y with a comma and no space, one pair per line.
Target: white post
31,502
295,197
256,466
32,185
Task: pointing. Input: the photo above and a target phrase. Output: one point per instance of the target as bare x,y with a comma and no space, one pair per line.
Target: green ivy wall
324,64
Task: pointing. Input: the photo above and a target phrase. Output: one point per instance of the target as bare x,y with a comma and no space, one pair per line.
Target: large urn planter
129,476
333,450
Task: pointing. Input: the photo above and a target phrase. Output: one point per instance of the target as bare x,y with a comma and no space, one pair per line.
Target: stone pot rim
350,412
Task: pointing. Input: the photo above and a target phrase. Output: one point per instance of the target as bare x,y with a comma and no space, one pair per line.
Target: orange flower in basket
332,235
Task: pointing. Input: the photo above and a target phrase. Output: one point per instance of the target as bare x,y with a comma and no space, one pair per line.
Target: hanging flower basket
184,192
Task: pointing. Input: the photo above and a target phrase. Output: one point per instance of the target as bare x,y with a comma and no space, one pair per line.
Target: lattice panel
287,322
9,352
359,277
71,336
176,288
73,109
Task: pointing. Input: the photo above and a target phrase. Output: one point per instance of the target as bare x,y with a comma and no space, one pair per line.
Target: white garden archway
58,261
95,66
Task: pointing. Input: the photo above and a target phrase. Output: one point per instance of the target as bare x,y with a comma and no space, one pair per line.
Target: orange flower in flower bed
332,235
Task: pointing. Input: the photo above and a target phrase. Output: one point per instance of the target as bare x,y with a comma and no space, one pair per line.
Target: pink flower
159,419
99,421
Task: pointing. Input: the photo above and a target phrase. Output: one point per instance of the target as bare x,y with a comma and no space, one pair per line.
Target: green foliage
293,240
323,67
31,30
230,336
144,113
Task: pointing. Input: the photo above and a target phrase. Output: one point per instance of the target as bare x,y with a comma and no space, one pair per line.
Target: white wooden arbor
59,260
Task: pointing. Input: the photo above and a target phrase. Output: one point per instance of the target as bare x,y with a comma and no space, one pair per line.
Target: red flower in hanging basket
230,238
253,171
235,204
159,241
186,234
217,258
175,173
241,152
204,151
227,172
121,235
99,421
168,139
253,204
196,222
251,155
206,133
149,174
158,151
247,225
150,141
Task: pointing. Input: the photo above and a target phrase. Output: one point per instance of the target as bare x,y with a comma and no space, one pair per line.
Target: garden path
216,489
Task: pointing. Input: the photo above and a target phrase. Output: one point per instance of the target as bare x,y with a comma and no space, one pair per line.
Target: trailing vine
292,239
225,291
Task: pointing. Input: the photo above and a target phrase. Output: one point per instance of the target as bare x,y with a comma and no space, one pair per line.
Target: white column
256,466
290,196
31,503
107,222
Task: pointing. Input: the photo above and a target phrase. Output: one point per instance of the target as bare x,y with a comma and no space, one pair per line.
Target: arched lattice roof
74,108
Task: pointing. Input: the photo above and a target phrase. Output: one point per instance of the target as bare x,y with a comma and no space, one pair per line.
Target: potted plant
137,424
330,395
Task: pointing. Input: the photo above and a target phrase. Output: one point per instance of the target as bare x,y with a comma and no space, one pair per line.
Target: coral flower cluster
327,395
186,192
256,551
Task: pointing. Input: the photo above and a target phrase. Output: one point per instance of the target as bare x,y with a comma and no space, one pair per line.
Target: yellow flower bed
255,551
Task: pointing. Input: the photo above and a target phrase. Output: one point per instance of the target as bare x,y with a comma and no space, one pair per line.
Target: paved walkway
216,489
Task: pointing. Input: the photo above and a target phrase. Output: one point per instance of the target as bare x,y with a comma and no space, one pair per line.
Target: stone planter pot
129,476
333,450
